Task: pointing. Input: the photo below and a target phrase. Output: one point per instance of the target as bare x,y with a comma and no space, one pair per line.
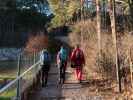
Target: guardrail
28,76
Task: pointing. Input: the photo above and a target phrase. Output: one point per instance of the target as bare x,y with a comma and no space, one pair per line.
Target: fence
27,78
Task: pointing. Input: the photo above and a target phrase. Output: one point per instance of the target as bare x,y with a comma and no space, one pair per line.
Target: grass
7,77
8,95
8,68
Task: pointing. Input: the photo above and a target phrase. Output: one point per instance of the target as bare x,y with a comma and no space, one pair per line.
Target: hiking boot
59,82
80,81
63,81
44,85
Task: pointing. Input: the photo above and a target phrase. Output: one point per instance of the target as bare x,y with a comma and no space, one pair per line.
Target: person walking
78,61
62,63
45,59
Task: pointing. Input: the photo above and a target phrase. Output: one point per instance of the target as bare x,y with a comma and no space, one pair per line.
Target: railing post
34,57
18,95
34,61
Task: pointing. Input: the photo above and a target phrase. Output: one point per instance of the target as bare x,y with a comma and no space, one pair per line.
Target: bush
106,64
36,43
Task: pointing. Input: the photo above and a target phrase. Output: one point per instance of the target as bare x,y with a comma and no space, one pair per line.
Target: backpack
78,55
63,55
46,58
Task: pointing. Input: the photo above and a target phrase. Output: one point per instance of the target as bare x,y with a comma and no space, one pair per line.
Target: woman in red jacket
78,59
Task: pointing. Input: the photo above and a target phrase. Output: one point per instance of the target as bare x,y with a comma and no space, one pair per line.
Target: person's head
77,46
62,47
45,50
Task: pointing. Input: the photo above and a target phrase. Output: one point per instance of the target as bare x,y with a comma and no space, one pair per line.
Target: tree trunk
98,27
130,2
82,19
113,27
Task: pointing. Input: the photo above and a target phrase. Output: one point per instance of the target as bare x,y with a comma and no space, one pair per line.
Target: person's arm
72,55
41,58
57,58
50,57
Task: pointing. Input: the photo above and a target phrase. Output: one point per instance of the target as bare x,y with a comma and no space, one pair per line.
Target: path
71,90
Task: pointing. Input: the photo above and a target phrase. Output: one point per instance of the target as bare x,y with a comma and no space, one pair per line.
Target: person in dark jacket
45,60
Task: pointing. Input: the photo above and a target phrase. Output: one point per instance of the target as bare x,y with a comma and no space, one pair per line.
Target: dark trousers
45,71
62,72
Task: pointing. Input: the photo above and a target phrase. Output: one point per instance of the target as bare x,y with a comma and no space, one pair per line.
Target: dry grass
85,28
107,69
89,45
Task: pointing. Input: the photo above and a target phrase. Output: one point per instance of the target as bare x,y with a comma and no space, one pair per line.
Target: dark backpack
46,57
78,55
63,55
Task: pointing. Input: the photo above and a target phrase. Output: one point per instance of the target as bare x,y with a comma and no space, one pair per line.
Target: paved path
71,90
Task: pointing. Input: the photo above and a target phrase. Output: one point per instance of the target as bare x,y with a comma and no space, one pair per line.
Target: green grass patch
8,94
7,77
5,98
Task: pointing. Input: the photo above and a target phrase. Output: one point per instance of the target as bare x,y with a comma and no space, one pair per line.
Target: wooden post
113,26
34,57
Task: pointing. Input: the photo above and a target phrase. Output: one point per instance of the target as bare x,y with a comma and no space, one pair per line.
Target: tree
113,27
63,10
18,18
40,6
98,26
128,14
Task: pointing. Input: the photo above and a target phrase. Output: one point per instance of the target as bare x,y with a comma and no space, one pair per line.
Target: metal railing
28,67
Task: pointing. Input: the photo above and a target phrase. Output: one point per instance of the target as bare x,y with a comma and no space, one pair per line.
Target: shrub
106,65
36,43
